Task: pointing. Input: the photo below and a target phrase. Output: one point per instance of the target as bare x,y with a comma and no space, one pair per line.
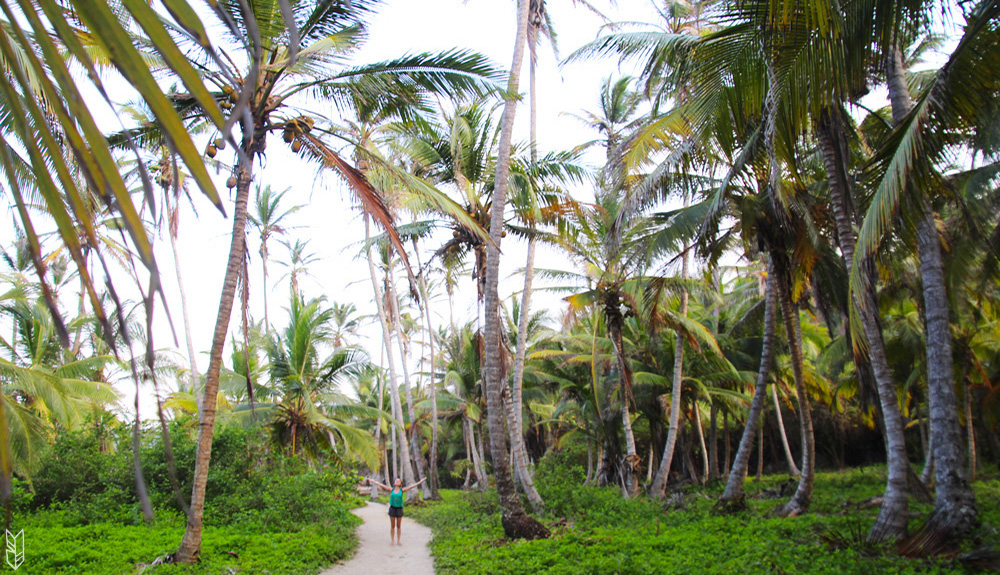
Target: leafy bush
595,531
264,513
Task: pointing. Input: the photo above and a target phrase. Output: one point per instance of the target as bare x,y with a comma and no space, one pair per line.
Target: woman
396,507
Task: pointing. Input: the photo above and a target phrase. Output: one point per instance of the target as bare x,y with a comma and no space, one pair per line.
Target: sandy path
376,556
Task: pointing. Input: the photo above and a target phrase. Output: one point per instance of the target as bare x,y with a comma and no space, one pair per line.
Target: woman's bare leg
393,522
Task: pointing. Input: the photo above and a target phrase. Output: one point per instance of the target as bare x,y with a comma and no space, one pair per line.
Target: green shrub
595,531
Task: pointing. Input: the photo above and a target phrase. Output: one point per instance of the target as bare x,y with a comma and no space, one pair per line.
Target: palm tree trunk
514,408
482,480
700,431
190,546
659,488
263,262
516,523
970,429
397,410
713,442
792,468
188,339
725,434
404,355
630,465
734,498
895,505
432,387
799,502
955,504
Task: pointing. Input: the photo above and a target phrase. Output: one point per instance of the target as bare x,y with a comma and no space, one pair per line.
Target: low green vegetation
596,531
266,512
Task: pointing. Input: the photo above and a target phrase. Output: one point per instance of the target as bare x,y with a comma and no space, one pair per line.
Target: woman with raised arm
396,507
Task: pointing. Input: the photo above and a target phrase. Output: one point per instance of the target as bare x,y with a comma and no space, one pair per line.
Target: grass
596,532
55,543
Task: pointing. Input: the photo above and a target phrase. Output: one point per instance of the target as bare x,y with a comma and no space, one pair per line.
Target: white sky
331,223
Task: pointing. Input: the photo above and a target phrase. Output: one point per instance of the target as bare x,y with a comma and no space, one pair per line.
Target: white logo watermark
15,549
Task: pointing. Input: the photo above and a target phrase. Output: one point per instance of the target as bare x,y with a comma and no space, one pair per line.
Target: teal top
396,498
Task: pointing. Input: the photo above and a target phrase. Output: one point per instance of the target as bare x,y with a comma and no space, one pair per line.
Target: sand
376,556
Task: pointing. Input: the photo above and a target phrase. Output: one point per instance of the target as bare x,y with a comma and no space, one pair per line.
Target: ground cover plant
596,531
269,513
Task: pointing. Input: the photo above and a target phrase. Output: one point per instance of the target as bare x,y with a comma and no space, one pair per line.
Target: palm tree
516,523
264,95
267,218
956,106
311,413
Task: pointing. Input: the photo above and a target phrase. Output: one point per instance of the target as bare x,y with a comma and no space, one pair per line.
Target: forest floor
377,555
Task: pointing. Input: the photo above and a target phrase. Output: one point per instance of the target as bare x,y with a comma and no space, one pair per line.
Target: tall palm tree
286,58
516,523
267,218
945,106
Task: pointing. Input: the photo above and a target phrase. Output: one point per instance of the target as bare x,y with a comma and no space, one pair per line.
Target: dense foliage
595,531
267,512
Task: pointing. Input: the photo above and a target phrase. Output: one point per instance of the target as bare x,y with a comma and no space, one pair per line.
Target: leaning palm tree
288,53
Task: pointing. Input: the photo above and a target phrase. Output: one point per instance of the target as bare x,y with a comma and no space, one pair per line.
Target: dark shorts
395,511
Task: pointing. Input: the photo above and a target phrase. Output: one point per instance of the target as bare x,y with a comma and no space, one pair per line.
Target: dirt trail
376,556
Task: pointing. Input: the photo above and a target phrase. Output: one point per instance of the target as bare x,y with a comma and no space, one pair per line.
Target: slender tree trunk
188,338
515,421
140,481
792,468
700,432
432,388
970,429
734,498
760,449
630,465
397,411
955,504
190,547
713,442
263,262
482,480
659,488
413,436
725,433
893,516
515,409
516,523
799,502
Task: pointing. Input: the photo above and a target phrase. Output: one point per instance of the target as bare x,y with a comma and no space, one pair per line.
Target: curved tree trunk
514,407
799,502
516,523
188,339
190,546
412,437
734,497
659,488
893,516
432,457
397,411
630,466
955,504
792,468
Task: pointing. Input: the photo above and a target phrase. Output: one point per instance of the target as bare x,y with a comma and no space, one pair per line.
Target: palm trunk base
892,519
523,526
730,505
942,531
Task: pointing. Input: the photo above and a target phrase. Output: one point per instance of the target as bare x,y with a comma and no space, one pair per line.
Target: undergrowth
265,513
596,531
